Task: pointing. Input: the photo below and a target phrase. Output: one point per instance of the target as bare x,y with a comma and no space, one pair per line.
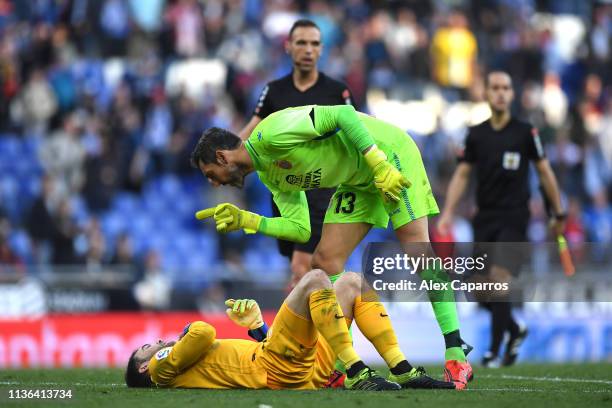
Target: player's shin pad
329,321
375,324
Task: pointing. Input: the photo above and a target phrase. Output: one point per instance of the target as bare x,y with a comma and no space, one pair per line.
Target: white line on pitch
509,389
550,379
505,389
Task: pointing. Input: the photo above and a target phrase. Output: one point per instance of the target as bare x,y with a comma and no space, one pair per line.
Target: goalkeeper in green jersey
379,175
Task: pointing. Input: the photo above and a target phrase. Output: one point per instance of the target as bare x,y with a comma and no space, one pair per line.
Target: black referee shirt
501,160
281,94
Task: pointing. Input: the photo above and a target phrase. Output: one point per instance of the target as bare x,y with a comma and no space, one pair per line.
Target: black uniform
501,160
281,94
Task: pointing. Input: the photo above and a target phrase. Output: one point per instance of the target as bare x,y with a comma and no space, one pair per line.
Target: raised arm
292,225
294,222
328,119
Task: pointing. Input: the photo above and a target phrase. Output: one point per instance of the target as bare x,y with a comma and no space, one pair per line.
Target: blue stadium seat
31,186
157,242
19,241
79,209
10,146
140,224
114,223
155,205
126,203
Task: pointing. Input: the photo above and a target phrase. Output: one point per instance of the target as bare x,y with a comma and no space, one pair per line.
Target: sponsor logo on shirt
163,353
511,160
312,179
259,136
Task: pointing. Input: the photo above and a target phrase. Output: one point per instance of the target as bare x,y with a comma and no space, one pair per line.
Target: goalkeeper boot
512,348
417,378
458,372
368,380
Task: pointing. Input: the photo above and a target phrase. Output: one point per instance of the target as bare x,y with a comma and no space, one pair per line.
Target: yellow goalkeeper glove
244,312
229,218
387,178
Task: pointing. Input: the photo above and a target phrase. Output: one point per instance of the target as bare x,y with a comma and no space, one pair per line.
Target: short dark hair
134,378
212,140
495,71
303,23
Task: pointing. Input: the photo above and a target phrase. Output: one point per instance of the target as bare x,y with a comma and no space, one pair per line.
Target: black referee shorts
318,201
502,227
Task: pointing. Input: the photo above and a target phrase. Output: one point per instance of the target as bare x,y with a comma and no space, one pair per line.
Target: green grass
523,386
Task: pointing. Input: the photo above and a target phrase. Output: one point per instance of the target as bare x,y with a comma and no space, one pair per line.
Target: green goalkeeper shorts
365,204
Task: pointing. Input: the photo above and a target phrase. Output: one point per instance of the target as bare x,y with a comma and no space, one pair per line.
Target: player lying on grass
370,163
309,332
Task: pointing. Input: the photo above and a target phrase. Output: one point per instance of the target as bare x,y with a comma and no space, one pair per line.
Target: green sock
445,310
339,366
454,353
334,278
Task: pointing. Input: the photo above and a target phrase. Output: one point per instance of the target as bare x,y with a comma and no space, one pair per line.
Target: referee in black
500,150
305,85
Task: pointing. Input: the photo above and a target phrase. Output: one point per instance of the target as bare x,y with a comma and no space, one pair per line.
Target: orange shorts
294,354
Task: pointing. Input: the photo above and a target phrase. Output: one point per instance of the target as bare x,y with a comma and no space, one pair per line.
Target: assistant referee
499,150
305,85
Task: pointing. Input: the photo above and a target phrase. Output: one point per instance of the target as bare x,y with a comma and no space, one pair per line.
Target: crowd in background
84,141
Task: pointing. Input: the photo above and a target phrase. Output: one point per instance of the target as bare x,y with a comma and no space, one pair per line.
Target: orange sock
330,322
373,321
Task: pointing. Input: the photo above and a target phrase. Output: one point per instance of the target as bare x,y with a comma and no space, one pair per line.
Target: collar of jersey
257,164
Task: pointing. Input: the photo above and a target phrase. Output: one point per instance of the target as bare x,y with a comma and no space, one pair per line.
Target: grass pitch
522,386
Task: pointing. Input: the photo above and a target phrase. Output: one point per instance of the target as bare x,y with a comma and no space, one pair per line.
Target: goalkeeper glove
229,218
387,178
244,312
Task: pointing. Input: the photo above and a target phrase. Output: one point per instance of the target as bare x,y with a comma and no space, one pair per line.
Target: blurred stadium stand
102,101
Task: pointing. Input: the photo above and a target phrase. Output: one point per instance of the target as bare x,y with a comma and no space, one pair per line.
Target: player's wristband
185,330
260,333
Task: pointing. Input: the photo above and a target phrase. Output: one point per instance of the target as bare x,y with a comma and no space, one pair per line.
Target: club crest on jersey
511,160
312,179
163,353
259,136
283,164
294,179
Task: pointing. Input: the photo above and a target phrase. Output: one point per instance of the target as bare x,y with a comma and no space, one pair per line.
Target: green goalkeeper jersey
310,147
307,147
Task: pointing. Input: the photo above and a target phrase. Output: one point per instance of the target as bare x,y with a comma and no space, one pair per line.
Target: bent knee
315,279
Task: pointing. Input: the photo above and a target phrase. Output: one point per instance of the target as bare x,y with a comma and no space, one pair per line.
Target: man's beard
237,177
